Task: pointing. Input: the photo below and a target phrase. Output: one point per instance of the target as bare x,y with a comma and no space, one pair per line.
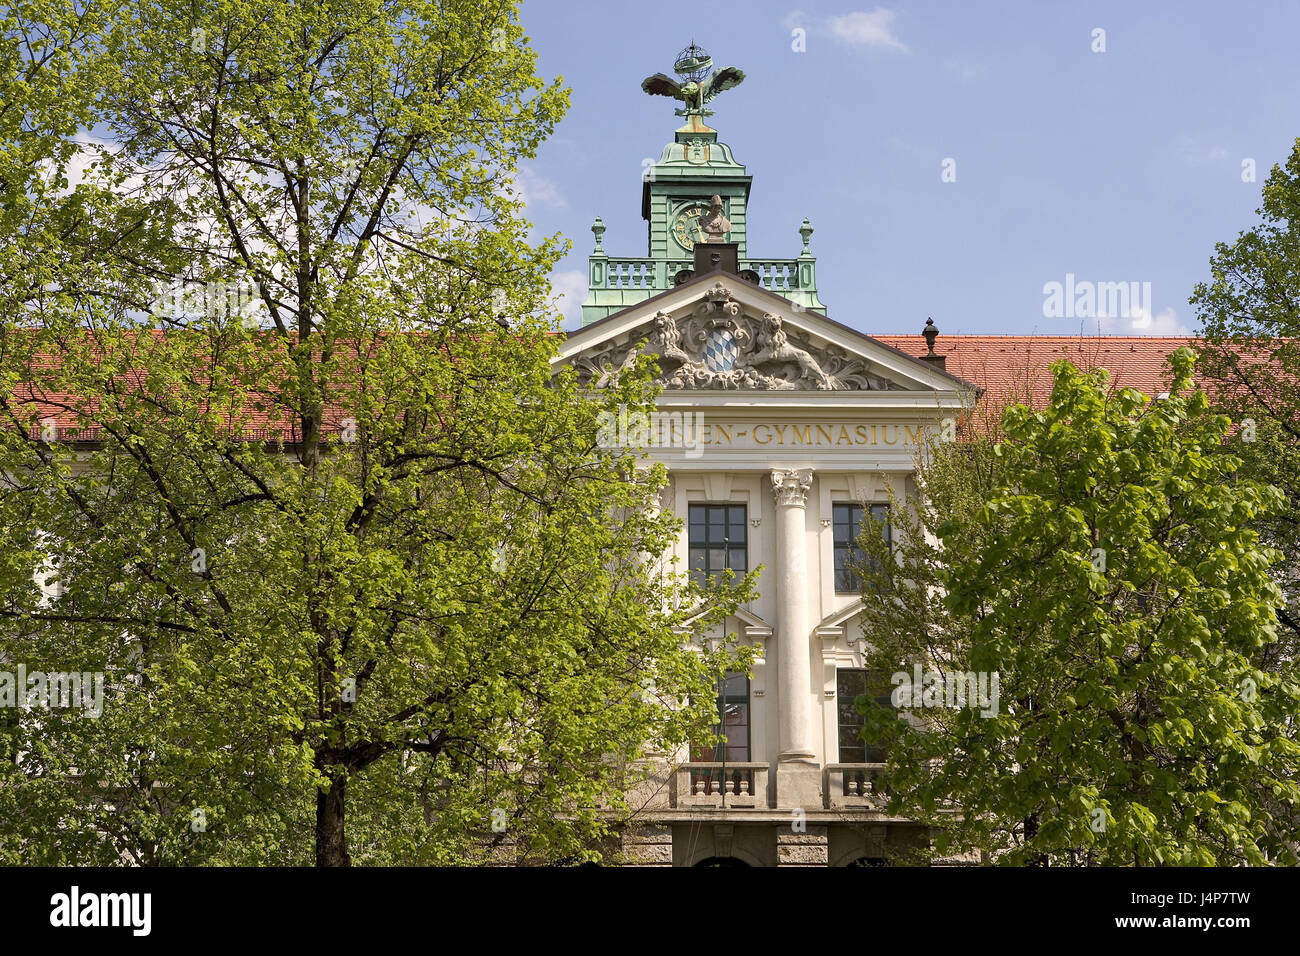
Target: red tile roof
1009,368
1018,368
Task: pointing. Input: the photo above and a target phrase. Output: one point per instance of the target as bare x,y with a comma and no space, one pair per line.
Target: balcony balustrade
732,785
617,282
656,275
853,785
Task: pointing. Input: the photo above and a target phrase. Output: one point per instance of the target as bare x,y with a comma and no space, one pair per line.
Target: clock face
686,226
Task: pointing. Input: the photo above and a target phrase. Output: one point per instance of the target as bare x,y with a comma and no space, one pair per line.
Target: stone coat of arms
717,346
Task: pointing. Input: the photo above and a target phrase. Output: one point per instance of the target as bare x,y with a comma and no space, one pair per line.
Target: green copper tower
678,202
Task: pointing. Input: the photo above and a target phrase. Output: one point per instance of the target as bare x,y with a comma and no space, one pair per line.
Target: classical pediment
720,333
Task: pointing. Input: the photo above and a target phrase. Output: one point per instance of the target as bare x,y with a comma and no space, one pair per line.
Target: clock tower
677,192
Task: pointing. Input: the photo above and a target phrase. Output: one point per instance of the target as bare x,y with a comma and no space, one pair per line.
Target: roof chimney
931,332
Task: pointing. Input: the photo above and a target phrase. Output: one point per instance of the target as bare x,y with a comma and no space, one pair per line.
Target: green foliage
347,551
1249,355
1102,558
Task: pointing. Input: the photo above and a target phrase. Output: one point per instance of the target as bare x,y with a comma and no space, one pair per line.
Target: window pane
850,684
733,713
734,706
717,538
736,721
847,520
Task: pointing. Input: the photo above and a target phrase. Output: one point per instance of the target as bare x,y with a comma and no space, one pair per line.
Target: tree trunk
1031,831
331,844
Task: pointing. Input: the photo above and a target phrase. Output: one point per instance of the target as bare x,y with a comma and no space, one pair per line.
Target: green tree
290,444
1249,348
1101,558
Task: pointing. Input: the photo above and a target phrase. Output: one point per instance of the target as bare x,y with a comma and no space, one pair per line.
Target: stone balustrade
644,272
617,282
852,785
712,784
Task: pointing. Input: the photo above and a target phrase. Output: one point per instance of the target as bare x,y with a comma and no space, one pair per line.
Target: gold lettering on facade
834,434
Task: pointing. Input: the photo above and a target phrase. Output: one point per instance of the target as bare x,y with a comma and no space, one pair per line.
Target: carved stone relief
717,346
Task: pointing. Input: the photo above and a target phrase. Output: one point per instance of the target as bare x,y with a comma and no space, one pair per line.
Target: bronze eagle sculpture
693,93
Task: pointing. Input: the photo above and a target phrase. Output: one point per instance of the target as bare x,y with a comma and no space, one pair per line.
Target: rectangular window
851,683
733,716
717,540
846,520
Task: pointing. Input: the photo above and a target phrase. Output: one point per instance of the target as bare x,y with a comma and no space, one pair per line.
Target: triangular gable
719,332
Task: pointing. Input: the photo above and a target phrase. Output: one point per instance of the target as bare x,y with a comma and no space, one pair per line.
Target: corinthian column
798,778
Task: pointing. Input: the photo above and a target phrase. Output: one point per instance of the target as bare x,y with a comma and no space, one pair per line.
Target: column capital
790,486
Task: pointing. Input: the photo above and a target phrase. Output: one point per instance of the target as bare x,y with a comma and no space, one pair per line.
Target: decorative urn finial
806,231
931,333
598,230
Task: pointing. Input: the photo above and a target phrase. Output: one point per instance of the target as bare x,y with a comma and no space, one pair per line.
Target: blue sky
1115,166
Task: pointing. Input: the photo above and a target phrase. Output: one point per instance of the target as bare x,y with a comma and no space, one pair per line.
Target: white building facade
794,430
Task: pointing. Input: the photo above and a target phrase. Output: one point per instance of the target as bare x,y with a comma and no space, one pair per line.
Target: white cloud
570,288
537,190
1140,321
80,167
1198,150
858,28
867,29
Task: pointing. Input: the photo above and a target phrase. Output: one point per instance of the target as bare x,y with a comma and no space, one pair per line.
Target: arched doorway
721,861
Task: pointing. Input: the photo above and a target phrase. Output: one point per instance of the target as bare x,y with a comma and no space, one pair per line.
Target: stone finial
598,230
931,332
790,486
806,231
932,357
